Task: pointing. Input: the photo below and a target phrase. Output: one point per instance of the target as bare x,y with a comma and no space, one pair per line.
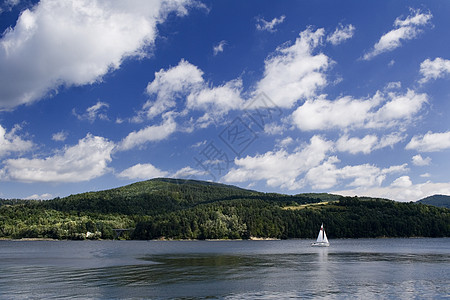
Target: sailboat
322,240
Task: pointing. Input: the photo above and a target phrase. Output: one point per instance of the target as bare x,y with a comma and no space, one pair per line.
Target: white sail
320,236
322,240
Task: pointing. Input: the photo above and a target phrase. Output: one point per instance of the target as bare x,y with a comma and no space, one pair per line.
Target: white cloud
406,29
148,134
418,160
368,143
434,69
184,83
11,142
219,47
293,72
84,161
390,140
142,171
355,145
285,142
97,110
188,172
280,168
147,171
264,25
430,142
44,196
171,84
274,128
341,34
393,85
380,111
219,99
182,87
328,175
412,192
60,136
65,43
8,5
402,182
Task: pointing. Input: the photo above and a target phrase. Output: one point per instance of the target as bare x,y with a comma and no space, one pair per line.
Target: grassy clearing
309,205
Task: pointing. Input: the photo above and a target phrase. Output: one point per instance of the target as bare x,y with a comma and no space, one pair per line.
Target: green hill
163,195
436,200
190,209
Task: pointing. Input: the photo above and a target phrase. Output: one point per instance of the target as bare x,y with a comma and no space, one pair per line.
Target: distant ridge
437,200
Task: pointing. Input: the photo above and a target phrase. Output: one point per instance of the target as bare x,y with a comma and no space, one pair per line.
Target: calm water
364,268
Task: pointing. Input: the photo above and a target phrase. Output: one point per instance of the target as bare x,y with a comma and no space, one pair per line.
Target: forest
187,209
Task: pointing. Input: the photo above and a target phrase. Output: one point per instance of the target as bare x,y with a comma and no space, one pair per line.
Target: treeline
30,220
347,218
186,209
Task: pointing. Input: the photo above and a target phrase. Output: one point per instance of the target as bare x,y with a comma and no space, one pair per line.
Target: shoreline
212,240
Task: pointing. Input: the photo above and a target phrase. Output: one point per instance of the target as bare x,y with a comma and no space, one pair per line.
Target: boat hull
320,244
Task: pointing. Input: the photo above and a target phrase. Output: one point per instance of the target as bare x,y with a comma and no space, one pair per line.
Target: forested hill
161,195
189,209
436,200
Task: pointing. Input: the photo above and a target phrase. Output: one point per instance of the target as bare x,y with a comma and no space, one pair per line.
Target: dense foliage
186,209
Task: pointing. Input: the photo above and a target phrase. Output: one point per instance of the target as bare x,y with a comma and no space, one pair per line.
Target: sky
345,97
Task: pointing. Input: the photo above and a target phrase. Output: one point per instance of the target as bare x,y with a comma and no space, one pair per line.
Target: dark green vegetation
188,209
437,200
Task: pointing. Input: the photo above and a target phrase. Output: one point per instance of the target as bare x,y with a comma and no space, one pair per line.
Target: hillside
190,209
163,195
436,200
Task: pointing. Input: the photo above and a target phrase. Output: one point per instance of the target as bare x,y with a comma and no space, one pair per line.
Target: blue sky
279,96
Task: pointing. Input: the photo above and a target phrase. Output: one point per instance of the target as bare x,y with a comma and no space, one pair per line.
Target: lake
288,269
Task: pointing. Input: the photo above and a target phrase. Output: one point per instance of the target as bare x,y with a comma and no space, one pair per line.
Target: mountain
190,209
437,200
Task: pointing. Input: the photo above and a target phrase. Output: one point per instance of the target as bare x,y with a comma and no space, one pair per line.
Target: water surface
363,268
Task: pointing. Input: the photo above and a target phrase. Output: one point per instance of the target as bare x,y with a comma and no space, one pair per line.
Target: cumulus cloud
151,133
380,111
96,111
430,142
86,160
280,168
60,136
355,145
406,29
434,69
183,87
44,196
169,85
328,175
402,182
219,47
264,25
11,142
293,72
368,143
148,171
142,171
8,5
188,172
418,160
222,98
64,43
341,34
